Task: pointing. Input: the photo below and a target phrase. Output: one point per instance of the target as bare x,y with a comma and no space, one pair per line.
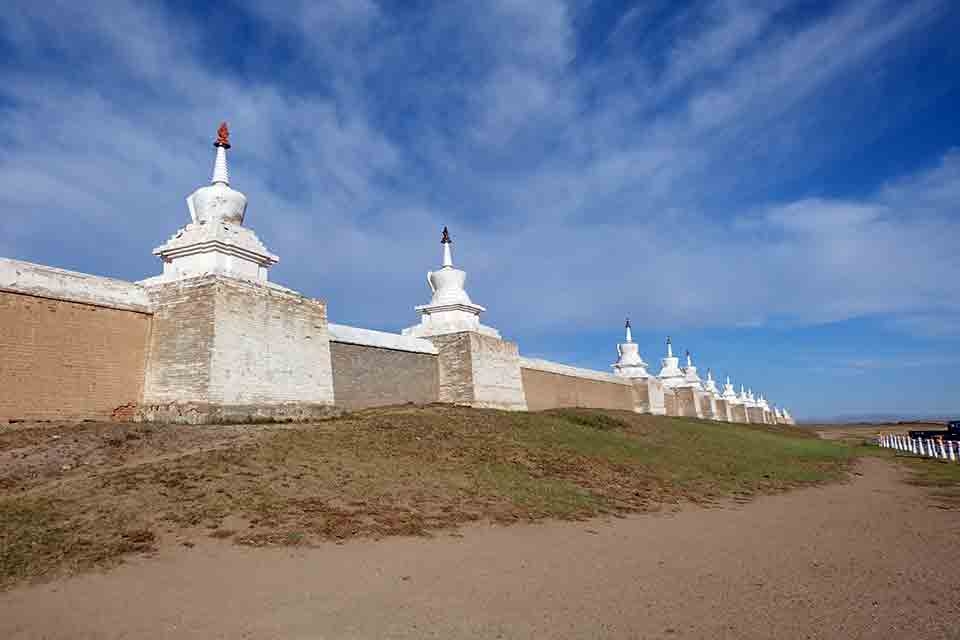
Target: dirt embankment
79,496
871,558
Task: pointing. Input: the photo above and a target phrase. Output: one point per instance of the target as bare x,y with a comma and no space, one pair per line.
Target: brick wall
671,402
739,413
688,403
225,350
548,390
454,368
480,371
68,360
722,411
365,376
497,382
708,406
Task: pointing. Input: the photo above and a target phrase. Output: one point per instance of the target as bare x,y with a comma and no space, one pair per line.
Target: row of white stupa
673,376
215,241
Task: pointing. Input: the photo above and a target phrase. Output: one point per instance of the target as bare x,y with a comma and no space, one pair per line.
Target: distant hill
875,418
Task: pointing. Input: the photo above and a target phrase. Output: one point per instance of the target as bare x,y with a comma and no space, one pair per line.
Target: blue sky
774,184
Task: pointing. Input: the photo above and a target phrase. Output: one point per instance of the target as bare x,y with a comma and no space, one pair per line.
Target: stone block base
203,413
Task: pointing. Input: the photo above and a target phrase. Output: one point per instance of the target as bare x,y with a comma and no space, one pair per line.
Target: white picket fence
929,447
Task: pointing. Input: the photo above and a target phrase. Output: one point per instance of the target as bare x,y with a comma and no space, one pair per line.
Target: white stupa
743,397
710,386
215,240
670,372
629,364
690,377
450,309
762,403
729,394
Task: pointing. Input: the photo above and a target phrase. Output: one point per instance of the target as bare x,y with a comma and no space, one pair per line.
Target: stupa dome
218,202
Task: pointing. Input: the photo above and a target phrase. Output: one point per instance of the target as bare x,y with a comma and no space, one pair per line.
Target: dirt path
869,559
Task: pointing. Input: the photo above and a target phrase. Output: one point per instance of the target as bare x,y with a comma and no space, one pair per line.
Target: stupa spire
215,240
629,364
669,348
446,242
221,173
689,360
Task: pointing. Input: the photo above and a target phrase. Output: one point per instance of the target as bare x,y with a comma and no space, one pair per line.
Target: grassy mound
396,471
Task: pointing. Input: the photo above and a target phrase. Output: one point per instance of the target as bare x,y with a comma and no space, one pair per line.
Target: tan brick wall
739,413
707,404
756,415
546,390
722,413
671,402
365,376
67,360
687,401
479,371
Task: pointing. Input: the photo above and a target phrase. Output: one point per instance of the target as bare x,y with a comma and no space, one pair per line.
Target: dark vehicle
952,432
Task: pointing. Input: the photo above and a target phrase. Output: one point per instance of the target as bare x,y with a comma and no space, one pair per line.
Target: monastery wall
722,411
755,415
479,370
373,368
226,350
687,403
549,385
73,346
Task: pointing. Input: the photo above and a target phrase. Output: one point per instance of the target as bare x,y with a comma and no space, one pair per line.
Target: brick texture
497,382
455,368
228,350
688,402
479,371
722,412
68,360
365,376
547,390
671,402
739,413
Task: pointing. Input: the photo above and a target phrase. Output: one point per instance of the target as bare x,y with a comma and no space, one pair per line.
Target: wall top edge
568,370
18,276
380,339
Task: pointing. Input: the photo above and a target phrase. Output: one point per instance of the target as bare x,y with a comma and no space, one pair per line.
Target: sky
774,184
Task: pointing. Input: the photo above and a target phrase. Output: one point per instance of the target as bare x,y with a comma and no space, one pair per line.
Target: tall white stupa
690,377
710,386
450,309
215,240
762,403
629,364
670,372
729,394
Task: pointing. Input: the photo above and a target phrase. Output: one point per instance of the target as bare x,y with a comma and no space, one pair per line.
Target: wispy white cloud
577,189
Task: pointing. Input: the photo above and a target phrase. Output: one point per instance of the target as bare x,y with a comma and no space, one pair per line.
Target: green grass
401,471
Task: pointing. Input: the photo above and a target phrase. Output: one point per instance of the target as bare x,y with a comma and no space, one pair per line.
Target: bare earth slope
867,559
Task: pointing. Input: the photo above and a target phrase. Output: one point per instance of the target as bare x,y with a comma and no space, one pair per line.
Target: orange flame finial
223,136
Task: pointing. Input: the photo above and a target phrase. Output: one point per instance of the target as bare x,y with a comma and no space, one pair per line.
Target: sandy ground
868,559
